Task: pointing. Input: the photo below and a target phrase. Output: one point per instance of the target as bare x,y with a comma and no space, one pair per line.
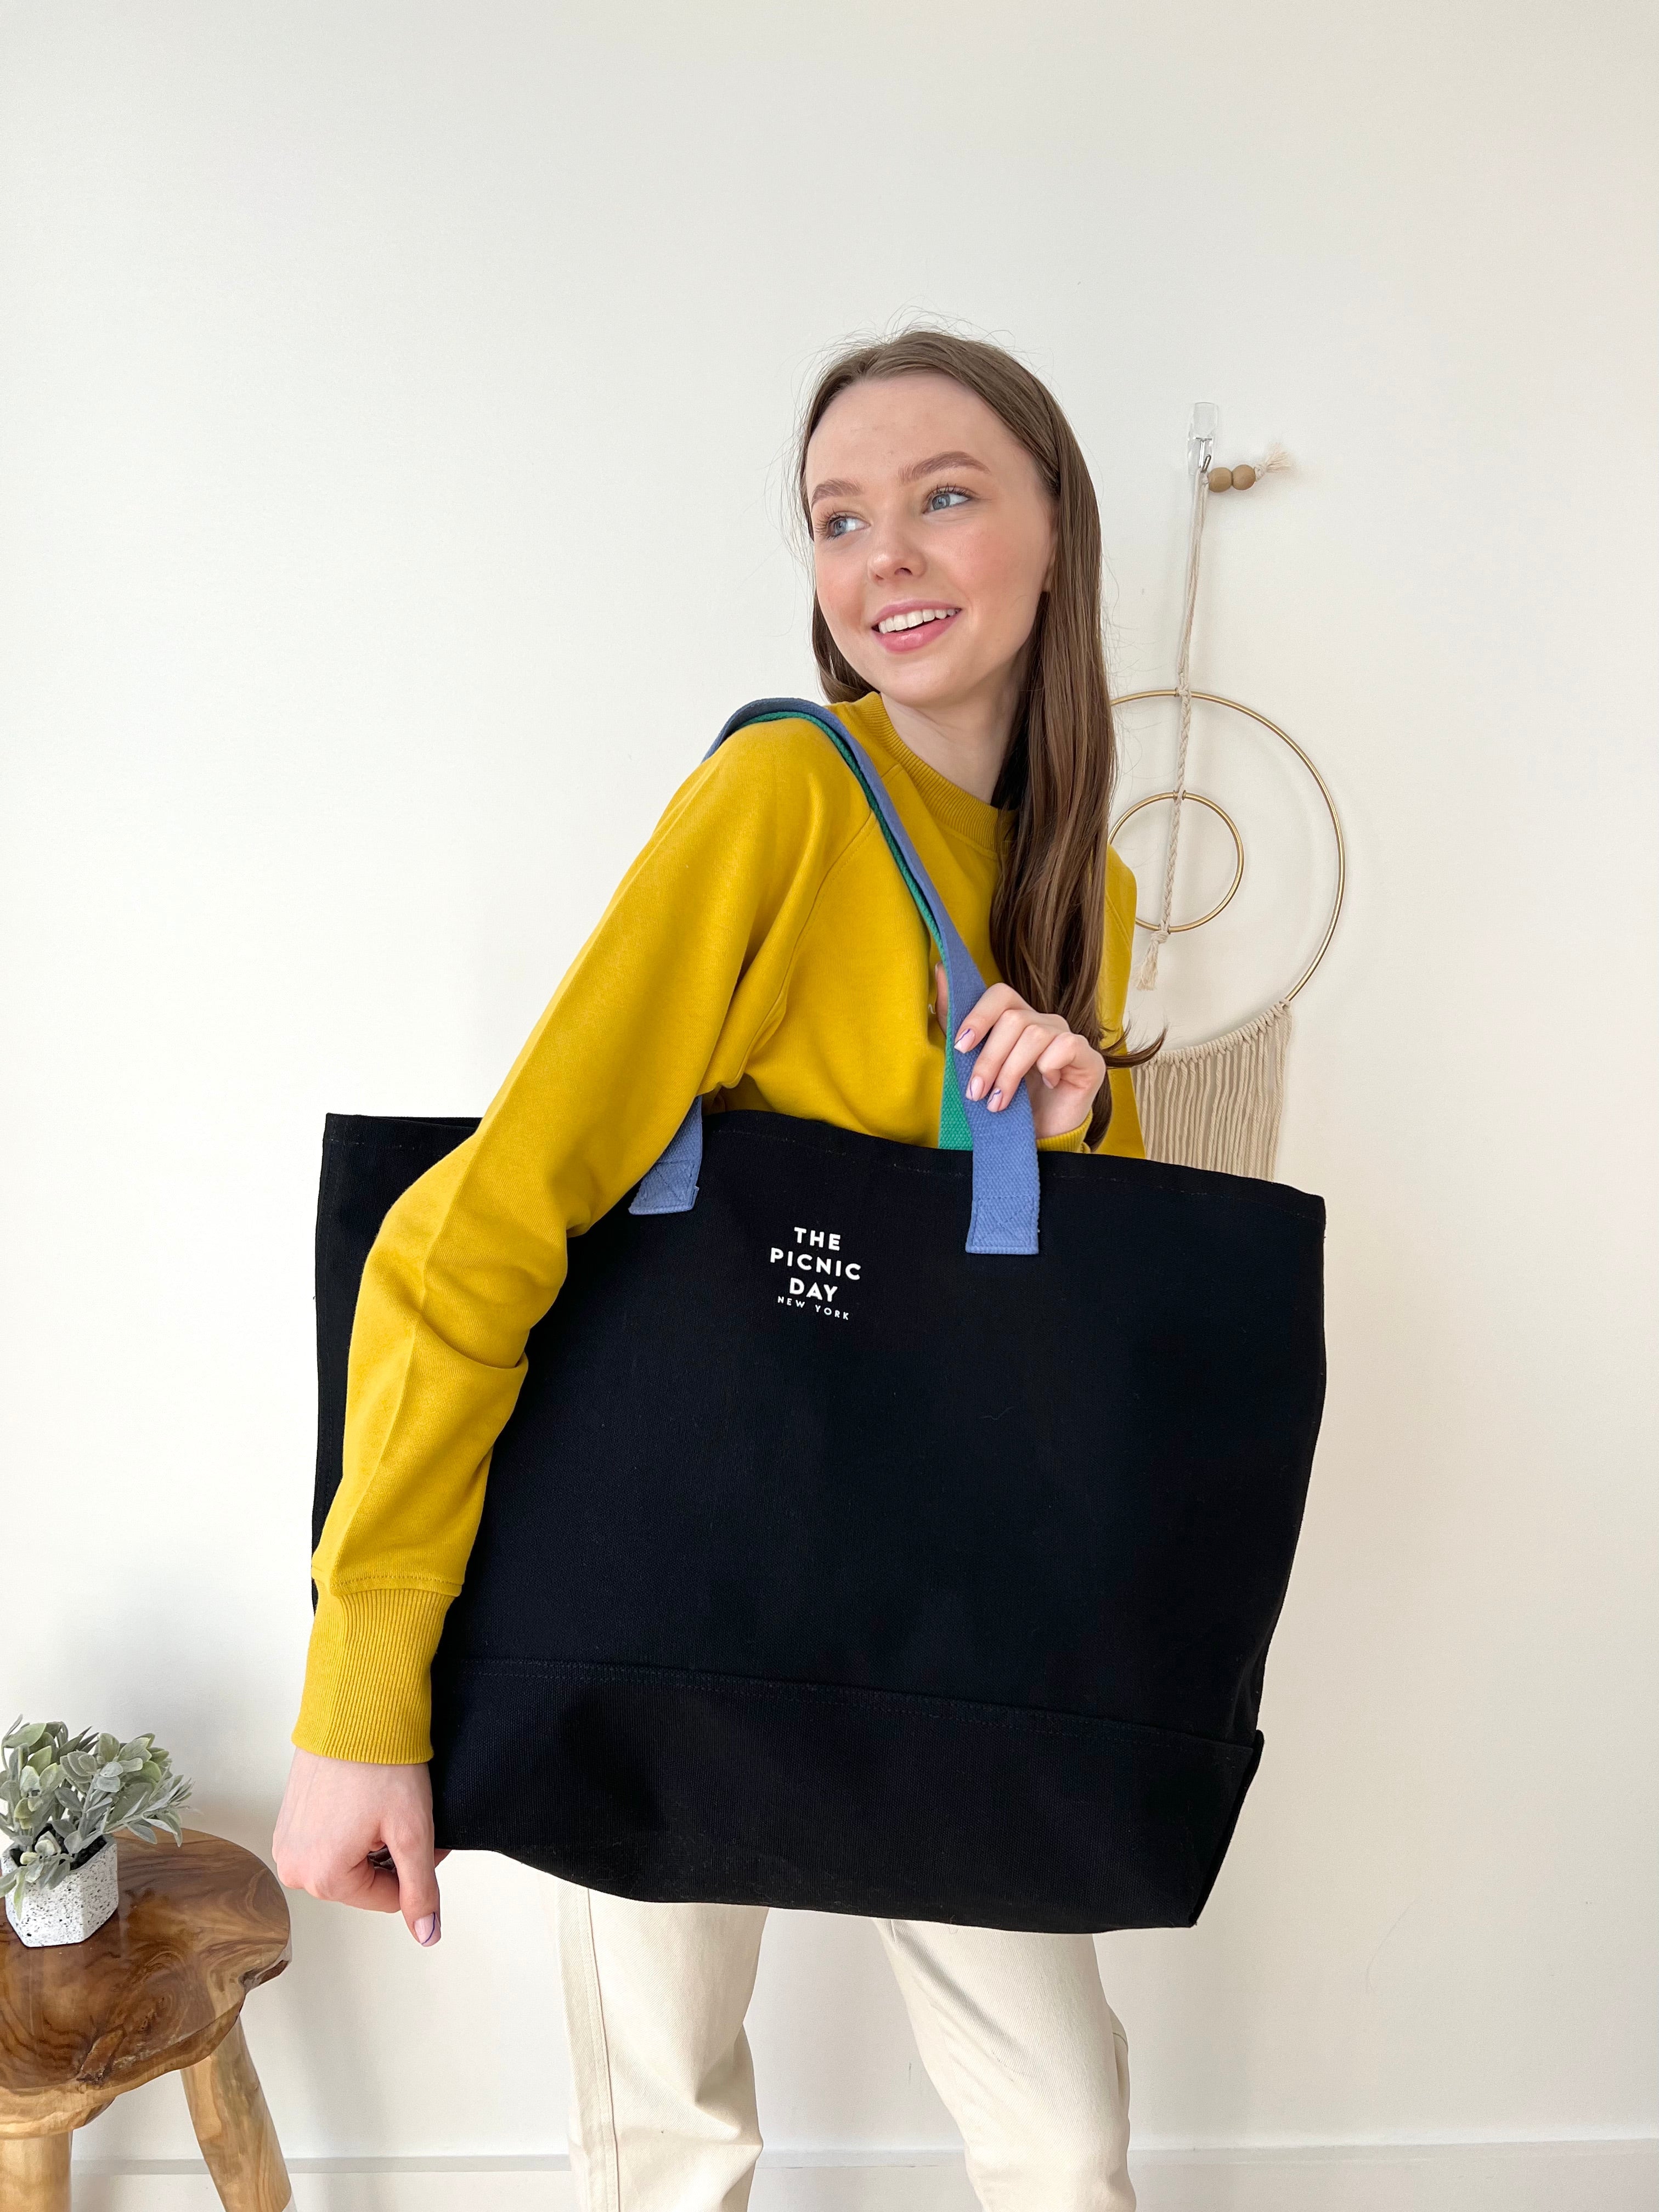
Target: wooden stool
157,1988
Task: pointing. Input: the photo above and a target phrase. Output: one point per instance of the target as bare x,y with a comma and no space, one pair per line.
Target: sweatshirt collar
950,806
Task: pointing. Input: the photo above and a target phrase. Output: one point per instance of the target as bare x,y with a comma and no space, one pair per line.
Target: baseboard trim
1552,2174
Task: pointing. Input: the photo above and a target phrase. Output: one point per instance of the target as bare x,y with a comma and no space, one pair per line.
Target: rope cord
1148,977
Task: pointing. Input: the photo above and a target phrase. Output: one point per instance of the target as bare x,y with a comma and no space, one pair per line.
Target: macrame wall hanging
1216,1104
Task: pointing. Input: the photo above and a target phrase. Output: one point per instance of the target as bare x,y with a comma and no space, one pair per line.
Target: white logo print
818,1275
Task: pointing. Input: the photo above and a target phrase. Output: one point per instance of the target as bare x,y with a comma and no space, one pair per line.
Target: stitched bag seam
1019,1719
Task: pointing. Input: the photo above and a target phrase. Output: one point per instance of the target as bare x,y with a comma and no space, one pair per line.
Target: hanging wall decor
1217,1103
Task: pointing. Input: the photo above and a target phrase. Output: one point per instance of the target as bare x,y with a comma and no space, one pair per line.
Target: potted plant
62,1798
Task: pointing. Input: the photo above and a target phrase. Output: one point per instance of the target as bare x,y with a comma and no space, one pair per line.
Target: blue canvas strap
1004,1216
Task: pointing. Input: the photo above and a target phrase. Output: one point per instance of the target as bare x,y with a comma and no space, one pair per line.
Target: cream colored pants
1015,2030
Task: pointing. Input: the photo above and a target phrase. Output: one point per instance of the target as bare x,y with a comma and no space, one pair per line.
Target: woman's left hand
1062,1070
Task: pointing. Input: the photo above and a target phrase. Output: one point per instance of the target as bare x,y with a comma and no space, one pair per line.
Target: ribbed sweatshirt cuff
367,1688
1072,1141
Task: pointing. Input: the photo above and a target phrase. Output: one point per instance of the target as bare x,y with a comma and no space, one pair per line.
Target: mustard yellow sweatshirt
763,952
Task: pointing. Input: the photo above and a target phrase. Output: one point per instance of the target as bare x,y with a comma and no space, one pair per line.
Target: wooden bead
1244,477
1221,479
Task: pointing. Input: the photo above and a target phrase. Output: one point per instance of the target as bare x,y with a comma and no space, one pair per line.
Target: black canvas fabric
945,1593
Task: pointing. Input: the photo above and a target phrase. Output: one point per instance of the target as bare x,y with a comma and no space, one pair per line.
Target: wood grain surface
158,1986
233,2126
35,2173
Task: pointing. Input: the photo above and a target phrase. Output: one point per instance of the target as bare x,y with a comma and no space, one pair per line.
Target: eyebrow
941,461
843,487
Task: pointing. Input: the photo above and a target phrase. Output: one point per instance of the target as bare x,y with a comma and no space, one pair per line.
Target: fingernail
964,1038
426,1927
991,1102
975,1084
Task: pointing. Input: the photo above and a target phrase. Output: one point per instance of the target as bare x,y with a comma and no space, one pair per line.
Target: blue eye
832,527
946,491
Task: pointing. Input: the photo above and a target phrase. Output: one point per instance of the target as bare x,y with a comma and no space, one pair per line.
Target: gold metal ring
1215,699
1197,799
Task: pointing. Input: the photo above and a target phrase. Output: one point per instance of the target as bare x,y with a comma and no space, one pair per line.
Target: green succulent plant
59,1795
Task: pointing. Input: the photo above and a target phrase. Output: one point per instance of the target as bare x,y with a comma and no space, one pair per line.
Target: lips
919,622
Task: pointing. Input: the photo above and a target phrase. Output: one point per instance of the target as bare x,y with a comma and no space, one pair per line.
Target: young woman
762,953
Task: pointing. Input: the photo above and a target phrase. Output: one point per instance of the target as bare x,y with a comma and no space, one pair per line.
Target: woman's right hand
336,1812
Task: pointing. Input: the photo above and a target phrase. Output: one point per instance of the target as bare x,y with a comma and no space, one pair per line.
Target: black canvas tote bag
879,1529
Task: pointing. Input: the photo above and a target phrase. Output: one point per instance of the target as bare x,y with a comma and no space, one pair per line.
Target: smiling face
933,535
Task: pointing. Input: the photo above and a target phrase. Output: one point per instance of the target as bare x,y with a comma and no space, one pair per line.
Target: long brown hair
1048,913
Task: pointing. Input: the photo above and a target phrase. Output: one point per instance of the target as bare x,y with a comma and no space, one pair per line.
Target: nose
893,550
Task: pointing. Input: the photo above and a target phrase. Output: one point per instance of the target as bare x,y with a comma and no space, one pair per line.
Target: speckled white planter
80,1904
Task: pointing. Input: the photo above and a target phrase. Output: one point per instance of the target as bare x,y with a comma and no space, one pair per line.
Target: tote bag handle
1004,1216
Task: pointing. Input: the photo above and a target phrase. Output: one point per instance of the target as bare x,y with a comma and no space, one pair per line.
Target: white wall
391,402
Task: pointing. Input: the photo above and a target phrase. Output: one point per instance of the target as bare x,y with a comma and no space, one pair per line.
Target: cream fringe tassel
1218,1105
